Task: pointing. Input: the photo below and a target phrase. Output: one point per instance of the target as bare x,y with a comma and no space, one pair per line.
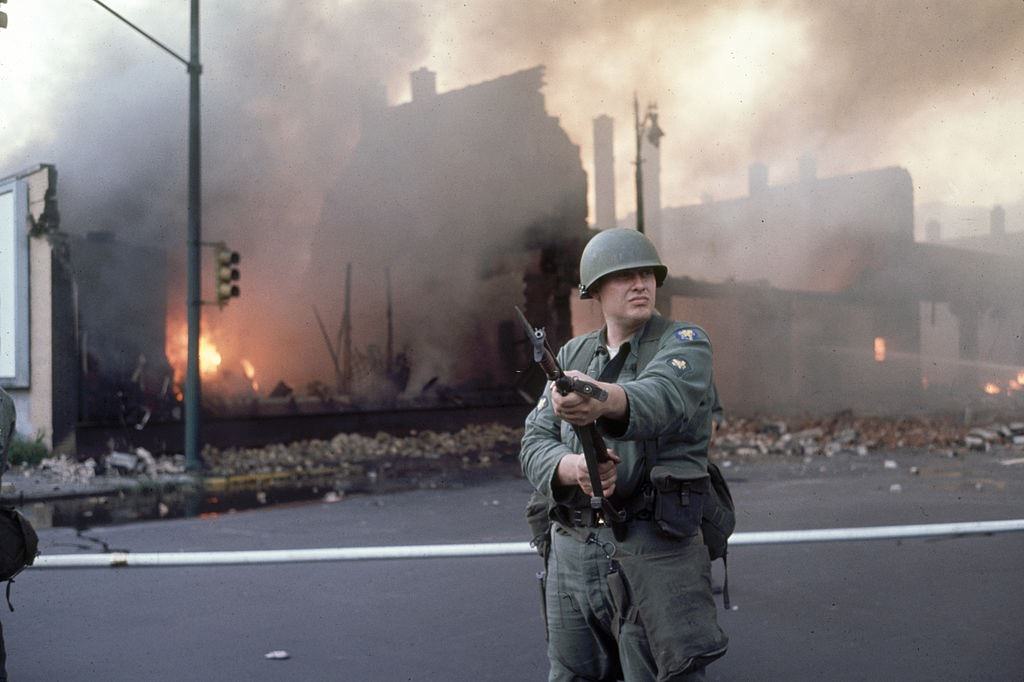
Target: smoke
929,86
281,89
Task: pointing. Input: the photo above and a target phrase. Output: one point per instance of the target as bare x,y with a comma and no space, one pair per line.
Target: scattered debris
859,435
896,488
279,655
423,455
66,470
122,462
475,446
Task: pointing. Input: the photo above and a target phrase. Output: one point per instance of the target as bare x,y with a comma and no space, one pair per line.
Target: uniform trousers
581,612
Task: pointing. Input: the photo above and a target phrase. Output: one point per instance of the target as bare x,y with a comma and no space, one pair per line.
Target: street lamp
194,303
648,124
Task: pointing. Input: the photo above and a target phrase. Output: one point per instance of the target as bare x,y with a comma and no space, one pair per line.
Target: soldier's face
627,296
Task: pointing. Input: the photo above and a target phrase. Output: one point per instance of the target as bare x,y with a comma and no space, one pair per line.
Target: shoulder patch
689,334
542,402
679,364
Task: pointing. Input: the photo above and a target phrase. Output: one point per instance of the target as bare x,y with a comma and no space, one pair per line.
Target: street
912,610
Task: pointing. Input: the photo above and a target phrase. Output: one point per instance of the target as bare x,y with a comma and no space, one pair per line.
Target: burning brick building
462,204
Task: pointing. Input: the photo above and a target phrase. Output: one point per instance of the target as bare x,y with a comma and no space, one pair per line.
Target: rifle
594,449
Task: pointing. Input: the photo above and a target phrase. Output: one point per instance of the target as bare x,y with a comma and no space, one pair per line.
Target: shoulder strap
581,359
645,353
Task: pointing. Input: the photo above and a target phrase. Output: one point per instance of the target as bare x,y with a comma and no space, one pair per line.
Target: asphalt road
914,610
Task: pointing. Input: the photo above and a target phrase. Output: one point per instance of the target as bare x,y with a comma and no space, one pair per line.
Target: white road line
152,559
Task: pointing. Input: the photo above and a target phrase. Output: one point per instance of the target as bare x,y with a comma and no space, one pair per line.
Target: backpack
19,546
718,520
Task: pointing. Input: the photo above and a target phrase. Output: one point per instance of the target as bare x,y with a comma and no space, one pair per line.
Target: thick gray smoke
859,84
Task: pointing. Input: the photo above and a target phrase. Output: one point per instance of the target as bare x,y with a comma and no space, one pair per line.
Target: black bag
719,516
19,546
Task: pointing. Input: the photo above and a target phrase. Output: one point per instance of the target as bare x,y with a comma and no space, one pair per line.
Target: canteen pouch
678,501
671,592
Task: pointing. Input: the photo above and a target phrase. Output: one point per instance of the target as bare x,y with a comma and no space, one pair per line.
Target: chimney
757,176
604,172
933,231
997,221
424,84
808,166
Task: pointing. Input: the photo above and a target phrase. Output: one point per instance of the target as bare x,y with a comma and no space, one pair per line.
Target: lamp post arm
145,35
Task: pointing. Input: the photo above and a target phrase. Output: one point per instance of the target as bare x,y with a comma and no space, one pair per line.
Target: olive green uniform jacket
670,404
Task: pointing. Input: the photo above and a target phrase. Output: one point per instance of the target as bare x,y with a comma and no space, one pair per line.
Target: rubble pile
62,469
829,436
474,445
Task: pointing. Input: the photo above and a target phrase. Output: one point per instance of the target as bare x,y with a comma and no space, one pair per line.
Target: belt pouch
678,502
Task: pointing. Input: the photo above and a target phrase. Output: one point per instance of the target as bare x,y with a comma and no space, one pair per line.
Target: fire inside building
456,206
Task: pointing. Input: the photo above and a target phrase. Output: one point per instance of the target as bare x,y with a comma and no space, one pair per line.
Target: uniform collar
640,336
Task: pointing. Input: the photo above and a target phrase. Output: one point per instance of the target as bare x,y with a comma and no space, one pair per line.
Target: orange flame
177,354
209,357
1020,378
250,374
992,389
879,349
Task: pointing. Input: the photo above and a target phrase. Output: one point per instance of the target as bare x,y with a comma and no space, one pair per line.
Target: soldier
7,418
639,608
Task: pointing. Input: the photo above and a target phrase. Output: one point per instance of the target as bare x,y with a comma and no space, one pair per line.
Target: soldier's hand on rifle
581,410
572,470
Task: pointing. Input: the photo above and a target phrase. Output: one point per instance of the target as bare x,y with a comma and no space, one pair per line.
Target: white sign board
13,286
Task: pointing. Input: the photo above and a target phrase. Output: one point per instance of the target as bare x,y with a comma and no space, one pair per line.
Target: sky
931,86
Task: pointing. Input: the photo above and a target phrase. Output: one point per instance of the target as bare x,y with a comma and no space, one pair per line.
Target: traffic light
226,262
3,16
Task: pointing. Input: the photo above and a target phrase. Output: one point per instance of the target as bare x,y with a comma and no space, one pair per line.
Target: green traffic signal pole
192,381
194,303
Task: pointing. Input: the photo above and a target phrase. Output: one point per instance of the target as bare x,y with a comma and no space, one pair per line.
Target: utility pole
639,165
648,124
192,381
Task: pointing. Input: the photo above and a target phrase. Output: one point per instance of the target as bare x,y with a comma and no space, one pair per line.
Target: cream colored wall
35,405
41,346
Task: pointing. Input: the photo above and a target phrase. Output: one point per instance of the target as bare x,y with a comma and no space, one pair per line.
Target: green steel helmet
616,250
